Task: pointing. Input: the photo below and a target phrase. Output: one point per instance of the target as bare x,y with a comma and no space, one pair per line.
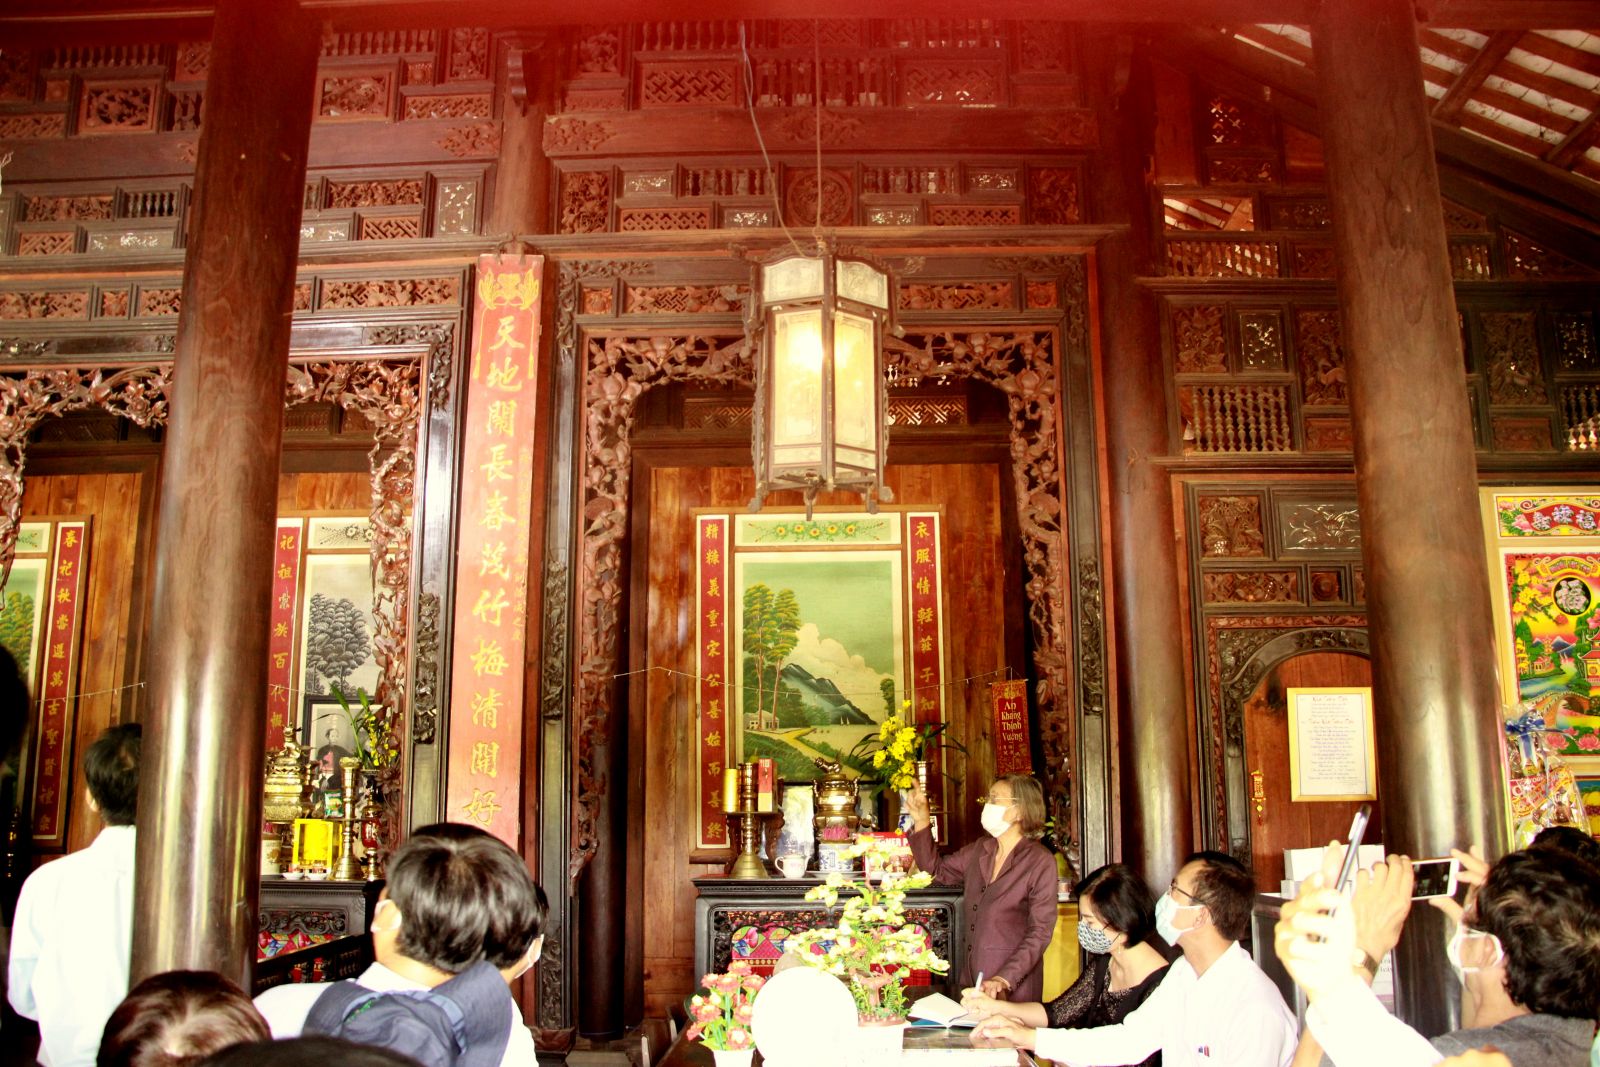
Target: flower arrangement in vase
721,1015
892,754
871,946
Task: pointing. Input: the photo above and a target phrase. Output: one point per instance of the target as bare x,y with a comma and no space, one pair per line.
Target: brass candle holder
348,870
749,866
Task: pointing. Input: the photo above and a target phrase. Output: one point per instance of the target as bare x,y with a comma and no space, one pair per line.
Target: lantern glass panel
797,278
796,395
861,282
855,391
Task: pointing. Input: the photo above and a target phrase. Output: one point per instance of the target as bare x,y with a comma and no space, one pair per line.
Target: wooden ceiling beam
1575,144
1471,78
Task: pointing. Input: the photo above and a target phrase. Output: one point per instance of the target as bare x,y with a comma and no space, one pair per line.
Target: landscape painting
819,649
22,604
336,625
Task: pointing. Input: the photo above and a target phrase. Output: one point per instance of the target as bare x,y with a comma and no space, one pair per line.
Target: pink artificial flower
738,1037
707,1013
739,967
742,1014
753,982
709,981
693,1032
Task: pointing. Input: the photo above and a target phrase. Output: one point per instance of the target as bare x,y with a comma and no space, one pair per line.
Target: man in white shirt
455,896
1214,1007
74,925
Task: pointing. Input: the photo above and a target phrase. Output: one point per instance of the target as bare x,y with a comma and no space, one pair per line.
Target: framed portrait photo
329,735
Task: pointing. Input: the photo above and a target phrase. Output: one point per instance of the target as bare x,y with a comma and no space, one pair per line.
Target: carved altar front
751,918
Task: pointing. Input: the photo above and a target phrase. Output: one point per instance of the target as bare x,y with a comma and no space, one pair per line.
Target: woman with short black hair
1116,922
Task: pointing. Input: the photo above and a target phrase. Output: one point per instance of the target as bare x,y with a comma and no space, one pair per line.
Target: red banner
282,702
491,625
711,664
1012,754
927,647
58,684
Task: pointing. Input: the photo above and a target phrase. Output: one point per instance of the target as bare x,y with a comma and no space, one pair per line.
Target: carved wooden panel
1230,527
117,107
1251,587
1511,358
356,95
691,84
1199,344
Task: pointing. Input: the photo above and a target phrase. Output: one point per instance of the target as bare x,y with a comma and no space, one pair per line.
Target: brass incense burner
287,795
836,803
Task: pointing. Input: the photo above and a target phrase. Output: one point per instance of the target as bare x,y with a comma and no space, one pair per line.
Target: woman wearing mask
1010,883
1116,922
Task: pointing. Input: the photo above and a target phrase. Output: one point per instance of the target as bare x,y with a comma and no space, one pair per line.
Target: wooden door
1276,822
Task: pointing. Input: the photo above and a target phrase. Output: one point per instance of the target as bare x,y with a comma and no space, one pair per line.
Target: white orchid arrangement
871,946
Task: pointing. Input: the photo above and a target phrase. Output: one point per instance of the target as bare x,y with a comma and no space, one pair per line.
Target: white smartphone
1435,877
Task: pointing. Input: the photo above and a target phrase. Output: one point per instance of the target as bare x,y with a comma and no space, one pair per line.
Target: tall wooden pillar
200,793
1438,709
1157,811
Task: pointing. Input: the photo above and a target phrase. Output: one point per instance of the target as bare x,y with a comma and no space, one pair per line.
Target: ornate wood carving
617,371
65,208
374,193
585,201
650,219
1251,587
390,292
958,296
679,299
117,107
137,394
477,139
1260,341
440,339
1091,638
425,684
1511,358
804,193
469,54
356,96
1199,346
452,106
1230,527
1321,528
1321,356
1053,196
1022,366
576,135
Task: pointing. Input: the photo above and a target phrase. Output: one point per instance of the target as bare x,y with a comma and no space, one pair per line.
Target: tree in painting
336,642
16,628
771,623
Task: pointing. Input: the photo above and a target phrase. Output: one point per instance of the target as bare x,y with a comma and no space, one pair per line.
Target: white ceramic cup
793,865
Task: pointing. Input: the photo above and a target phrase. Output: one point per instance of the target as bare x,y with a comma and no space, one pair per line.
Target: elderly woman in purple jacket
1010,882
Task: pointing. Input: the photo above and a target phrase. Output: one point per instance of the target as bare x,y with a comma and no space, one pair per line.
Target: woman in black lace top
1116,923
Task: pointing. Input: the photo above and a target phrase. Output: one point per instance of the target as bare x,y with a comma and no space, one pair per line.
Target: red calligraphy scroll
712,667
1012,753
483,786
282,701
58,698
927,621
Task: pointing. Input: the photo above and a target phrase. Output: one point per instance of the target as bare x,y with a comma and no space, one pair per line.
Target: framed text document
1331,744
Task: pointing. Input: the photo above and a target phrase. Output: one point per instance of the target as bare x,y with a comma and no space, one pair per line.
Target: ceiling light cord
772,178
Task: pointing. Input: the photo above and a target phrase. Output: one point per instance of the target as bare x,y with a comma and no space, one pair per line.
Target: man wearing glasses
1214,1007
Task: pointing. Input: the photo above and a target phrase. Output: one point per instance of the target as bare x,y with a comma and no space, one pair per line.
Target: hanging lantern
818,322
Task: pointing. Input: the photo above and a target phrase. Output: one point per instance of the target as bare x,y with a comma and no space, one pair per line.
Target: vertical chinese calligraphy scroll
927,651
58,683
282,703
1011,750
491,626
716,735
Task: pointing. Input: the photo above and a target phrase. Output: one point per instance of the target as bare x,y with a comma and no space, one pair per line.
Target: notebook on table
936,1009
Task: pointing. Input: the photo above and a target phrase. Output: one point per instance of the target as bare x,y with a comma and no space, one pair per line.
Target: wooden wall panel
324,491
978,574
113,503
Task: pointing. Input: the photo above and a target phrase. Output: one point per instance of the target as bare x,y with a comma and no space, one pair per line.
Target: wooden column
1438,709
200,793
1153,743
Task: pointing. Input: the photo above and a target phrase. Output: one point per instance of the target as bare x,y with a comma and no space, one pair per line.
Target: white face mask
1452,951
1167,910
994,819
529,958
373,926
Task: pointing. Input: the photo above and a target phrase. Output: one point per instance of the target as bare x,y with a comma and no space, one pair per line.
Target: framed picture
1331,744
329,736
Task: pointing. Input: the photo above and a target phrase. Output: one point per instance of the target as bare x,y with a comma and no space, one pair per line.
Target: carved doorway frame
1043,365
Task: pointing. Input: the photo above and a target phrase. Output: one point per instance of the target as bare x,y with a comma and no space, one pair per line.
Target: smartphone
1435,878
1358,830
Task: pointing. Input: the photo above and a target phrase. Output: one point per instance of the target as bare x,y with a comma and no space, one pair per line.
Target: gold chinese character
924,615
493,561
58,650
71,538
63,596
923,556
714,681
50,766
503,376
52,738
280,629
712,616
497,468
716,709
489,607
504,332
280,660
924,586
926,675
486,709
488,658
55,678
62,622
486,758
921,530
713,532
482,806
284,571
495,514
712,588
713,649
714,739
283,601
925,644
713,557
714,832
714,768
277,718
65,570
503,417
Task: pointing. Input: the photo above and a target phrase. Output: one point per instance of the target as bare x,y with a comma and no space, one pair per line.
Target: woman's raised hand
917,807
